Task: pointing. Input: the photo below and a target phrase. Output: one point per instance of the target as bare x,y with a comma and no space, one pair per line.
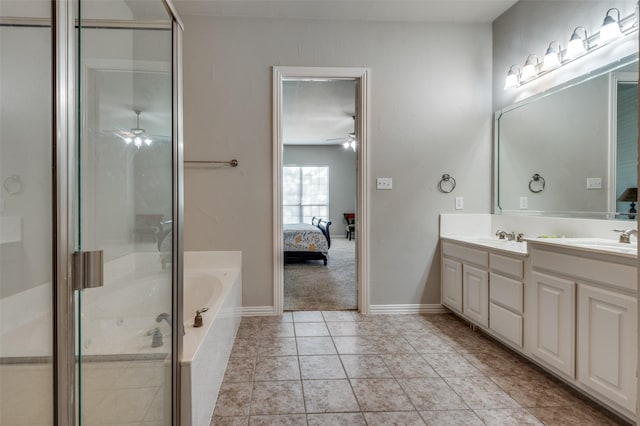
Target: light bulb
513,78
577,45
610,28
551,58
529,69
128,140
148,141
346,144
353,146
137,141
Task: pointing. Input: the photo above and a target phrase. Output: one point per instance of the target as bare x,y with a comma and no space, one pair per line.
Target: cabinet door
553,317
452,284
475,294
607,344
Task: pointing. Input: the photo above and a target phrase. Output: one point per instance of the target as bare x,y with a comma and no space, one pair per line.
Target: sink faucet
501,234
156,340
164,316
625,236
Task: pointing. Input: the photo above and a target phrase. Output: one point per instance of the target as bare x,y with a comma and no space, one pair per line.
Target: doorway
329,265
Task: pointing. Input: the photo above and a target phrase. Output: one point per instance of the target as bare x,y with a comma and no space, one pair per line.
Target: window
305,193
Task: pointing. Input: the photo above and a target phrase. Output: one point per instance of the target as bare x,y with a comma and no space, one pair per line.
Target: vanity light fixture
610,27
577,45
552,59
580,44
513,77
530,68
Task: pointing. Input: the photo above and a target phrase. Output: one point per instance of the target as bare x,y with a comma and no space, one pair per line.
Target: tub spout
197,321
164,316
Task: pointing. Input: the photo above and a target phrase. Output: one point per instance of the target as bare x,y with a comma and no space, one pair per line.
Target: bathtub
212,280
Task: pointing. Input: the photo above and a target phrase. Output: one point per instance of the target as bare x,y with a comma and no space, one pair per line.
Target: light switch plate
459,203
524,203
594,183
384,183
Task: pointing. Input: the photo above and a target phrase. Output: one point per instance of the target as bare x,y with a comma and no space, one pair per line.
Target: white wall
530,25
430,114
342,177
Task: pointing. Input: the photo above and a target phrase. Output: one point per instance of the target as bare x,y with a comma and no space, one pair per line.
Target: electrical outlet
384,183
524,203
459,203
594,183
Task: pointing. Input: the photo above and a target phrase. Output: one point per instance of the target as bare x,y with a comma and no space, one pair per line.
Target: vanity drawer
506,324
466,254
506,292
506,265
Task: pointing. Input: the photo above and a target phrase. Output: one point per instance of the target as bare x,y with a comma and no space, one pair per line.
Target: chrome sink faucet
164,316
501,234
625,236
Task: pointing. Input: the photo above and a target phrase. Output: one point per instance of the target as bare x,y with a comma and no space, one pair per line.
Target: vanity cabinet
475,295
583,313
485,287
553,301
607,343
452,284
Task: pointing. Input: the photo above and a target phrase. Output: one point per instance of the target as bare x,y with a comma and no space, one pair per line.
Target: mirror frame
598,72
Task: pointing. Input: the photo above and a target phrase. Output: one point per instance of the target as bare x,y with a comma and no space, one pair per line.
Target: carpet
312,286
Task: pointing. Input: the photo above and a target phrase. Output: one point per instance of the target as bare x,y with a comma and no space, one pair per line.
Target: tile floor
343,368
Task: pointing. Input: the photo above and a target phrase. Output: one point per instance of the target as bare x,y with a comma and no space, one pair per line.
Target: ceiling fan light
148,141
346,144
137,141
128,140
353,145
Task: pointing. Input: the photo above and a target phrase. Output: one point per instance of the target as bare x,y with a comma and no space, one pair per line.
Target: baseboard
257,311
433,308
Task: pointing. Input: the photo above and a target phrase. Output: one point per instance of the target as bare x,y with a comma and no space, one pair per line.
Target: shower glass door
26,334
124,209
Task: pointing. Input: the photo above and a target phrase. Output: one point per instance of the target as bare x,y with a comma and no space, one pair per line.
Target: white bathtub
214,280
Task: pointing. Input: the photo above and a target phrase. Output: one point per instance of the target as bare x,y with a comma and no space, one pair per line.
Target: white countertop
509,247
593,245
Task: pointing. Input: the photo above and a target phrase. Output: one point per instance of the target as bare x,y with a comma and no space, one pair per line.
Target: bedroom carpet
312,286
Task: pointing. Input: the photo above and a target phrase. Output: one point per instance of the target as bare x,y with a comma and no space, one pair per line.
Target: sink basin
601,244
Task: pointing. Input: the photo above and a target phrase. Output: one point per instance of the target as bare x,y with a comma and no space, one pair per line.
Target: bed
305,241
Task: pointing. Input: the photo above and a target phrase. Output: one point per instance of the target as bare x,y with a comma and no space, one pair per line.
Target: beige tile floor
343,368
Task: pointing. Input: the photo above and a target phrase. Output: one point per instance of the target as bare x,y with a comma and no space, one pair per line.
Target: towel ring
13,185
536,178
447,179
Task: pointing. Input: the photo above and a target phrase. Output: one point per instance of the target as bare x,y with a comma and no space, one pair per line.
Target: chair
350,219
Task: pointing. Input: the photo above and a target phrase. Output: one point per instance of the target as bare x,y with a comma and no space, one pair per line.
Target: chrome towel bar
232,163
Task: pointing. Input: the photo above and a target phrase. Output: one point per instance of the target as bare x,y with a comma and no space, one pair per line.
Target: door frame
362,76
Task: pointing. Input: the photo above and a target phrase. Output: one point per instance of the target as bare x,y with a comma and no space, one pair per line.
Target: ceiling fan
348,142
136,135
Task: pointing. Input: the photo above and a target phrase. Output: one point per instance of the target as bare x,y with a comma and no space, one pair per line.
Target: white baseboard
433,308
258,311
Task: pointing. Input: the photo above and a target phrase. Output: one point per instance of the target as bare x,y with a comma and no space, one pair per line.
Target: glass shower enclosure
90,210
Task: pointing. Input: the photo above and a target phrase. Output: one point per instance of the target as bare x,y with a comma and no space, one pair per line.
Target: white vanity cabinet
583,313
552,315
506,297
607,343
485,286
452,284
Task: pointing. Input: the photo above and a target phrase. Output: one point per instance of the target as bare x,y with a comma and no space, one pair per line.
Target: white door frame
361,75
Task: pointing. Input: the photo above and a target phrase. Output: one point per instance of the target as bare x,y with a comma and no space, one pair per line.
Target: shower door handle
88,271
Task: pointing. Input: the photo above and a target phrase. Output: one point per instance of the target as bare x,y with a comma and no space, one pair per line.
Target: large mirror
572,151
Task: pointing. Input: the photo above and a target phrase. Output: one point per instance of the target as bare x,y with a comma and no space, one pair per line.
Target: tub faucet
164,316
625,236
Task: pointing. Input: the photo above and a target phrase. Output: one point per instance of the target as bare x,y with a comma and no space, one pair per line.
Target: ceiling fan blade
336,139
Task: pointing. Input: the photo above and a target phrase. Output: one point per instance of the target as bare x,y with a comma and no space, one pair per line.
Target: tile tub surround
387,369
